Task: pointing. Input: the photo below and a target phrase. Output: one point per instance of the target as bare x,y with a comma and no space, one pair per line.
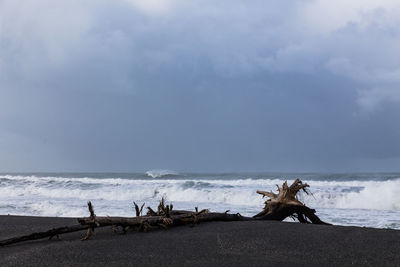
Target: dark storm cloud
131,85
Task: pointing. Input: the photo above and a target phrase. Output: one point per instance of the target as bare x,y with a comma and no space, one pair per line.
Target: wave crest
161,173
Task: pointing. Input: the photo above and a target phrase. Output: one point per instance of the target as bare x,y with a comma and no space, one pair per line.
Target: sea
353,199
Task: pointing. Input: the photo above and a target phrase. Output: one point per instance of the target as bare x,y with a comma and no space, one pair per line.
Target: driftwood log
55,232
278,207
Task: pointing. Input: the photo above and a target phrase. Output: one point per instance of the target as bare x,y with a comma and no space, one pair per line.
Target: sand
258,243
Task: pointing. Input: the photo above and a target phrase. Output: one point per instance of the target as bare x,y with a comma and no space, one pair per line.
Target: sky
201,85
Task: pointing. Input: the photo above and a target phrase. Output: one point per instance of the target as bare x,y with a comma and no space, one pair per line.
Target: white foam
56,196
384,195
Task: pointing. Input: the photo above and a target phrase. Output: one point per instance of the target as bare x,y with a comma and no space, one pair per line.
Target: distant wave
161,173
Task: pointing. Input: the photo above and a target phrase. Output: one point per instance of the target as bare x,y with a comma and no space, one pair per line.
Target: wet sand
258,243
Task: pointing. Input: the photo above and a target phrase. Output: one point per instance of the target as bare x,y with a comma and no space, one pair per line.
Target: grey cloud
195,86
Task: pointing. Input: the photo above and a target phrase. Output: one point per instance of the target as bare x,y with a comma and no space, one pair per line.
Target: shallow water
371,200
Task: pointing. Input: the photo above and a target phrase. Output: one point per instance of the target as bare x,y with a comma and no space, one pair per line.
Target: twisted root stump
285,204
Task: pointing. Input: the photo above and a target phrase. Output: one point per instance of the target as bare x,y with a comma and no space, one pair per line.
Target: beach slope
255,243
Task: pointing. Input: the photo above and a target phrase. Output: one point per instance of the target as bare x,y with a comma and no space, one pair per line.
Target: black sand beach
261,243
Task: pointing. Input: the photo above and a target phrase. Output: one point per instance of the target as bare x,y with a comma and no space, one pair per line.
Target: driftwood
50,233
285,203
277,207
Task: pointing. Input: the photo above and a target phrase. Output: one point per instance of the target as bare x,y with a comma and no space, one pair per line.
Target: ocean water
358,199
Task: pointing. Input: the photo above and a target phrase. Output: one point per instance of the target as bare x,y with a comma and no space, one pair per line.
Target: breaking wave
161,173
67,196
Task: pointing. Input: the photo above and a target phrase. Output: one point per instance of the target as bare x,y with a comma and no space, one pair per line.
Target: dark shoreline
260,243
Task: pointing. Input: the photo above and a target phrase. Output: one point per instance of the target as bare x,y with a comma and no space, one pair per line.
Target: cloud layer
199,85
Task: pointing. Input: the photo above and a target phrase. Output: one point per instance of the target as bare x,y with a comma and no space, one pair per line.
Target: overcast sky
200,85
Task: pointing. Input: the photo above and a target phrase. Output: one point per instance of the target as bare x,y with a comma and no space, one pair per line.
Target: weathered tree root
285,204
277,207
